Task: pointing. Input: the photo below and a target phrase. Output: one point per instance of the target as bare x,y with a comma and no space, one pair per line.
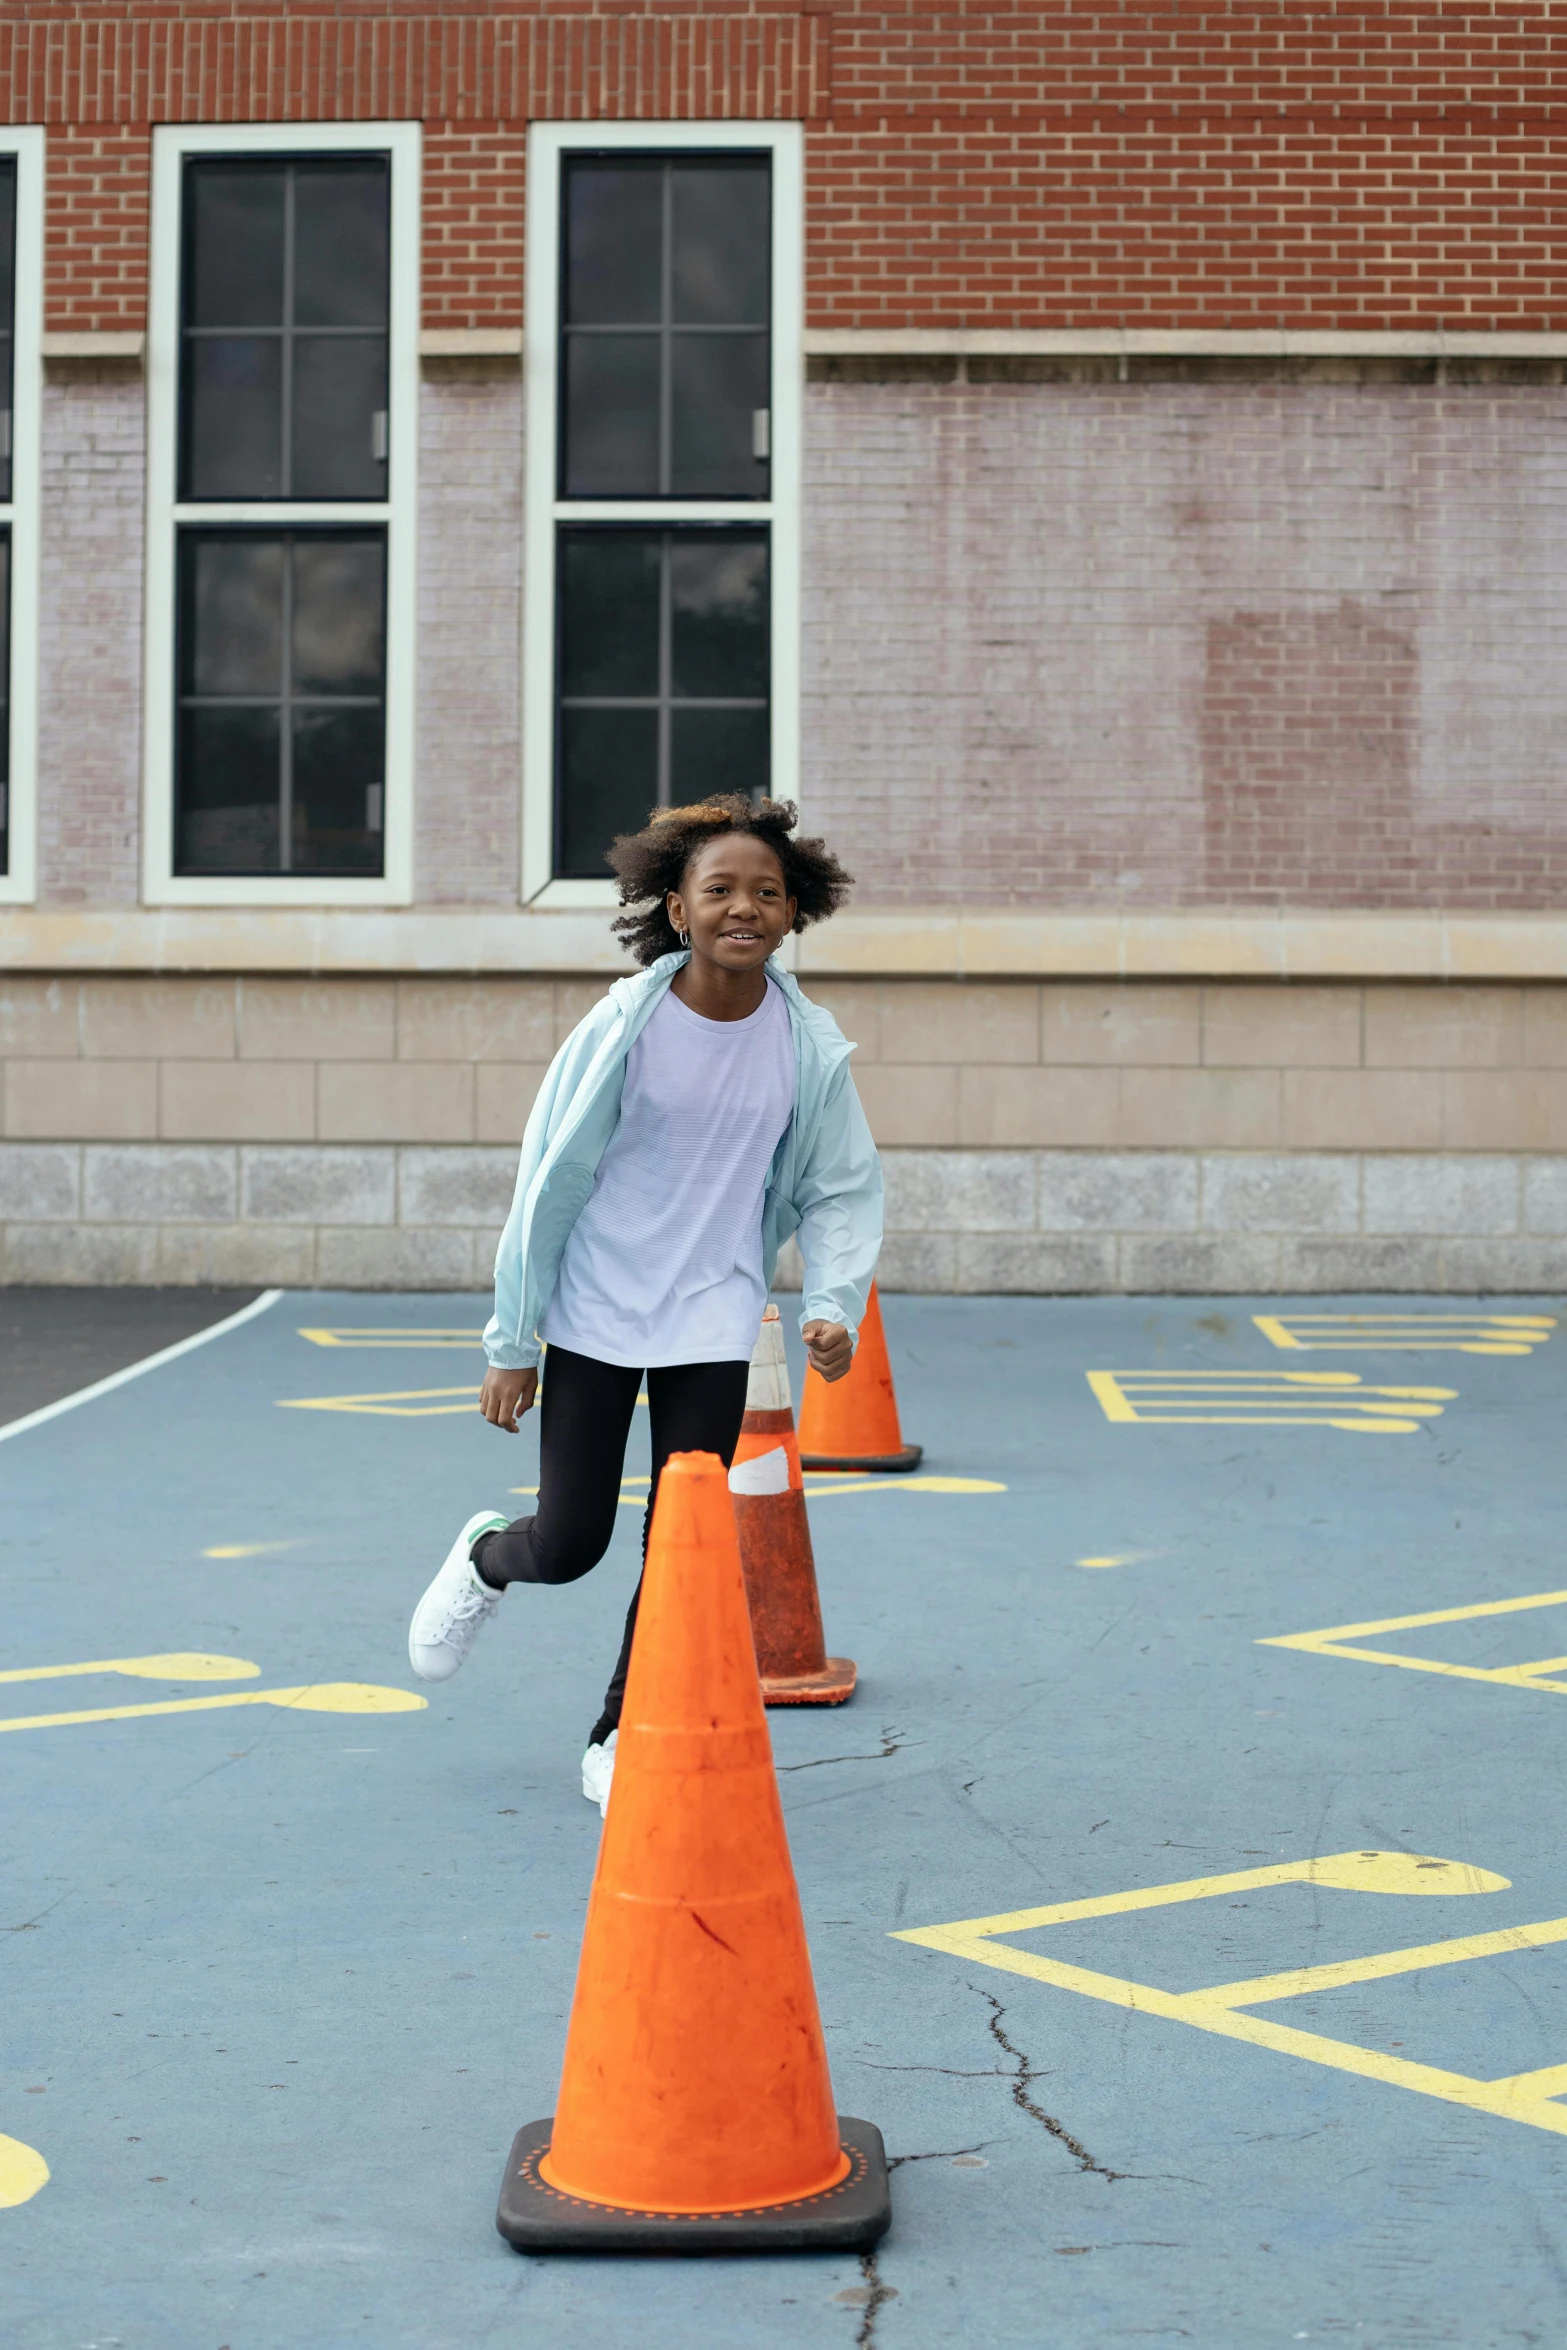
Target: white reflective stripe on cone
768,1473
767,1389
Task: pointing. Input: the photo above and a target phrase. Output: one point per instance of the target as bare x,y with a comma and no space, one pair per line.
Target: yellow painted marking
1549,2081
1343,1640
321,1697
847,1483
408,1403
414,1335
23,2171
633,1498
1445,1333
1521,2097
411,1403
177,1665
249,1550
1120,1558
1277,1399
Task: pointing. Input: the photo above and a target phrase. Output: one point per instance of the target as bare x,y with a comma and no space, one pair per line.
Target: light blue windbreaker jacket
824,1182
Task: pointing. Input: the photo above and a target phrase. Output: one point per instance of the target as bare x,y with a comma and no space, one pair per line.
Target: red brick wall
1246,162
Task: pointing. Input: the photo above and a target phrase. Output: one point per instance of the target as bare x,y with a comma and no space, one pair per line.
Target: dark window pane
339,385
338,765
281,702
234,244
297,252
609,595
717,750
227,813
7,246
608,782
7,315
231,626
613,244
718,616
611,416
5,411
339,616
718,383
5,701
341,243
233,436
720,244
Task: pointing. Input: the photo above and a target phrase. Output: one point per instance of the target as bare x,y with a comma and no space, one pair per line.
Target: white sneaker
598,1769
457,1606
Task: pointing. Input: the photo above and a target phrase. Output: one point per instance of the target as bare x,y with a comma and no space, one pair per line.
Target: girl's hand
828,1347
506,1395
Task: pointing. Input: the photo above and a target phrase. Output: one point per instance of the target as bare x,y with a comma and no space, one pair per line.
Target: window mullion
665,647
286,354
285,833
666,271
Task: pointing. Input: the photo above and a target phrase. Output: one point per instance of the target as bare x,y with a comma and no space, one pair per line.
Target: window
663,677
21,224
665,268
663,358
280,564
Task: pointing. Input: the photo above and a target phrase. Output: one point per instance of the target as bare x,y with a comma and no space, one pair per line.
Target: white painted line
166,1354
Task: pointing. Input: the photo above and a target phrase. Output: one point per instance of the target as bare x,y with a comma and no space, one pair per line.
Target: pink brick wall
1158,644
470,617
89,742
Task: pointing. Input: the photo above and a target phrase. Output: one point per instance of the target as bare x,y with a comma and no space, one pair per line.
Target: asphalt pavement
1206,1988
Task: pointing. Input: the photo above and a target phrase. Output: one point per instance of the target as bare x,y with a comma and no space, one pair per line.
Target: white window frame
19,884
779,514
397,514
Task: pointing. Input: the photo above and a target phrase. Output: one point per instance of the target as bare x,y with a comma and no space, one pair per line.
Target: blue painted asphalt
288,1981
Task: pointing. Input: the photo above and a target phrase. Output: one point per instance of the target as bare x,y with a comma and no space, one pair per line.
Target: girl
699,1115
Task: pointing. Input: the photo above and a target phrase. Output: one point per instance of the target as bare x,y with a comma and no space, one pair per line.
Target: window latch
378,436
761,434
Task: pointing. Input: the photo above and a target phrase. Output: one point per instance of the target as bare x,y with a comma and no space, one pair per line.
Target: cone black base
888,1462
536,2217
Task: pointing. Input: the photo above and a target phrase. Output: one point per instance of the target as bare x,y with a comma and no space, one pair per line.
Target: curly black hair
650,863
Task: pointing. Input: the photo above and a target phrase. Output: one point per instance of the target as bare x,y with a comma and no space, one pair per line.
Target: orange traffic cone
853,1424
695,2110
775,1541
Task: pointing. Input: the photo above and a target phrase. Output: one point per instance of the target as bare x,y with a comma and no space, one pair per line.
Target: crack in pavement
990,2072
891,1743
947,2154
879,2293
1023,2080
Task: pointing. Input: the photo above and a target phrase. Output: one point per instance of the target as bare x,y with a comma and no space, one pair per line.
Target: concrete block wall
1037,1136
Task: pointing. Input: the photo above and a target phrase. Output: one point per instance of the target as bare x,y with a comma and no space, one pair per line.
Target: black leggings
584,1420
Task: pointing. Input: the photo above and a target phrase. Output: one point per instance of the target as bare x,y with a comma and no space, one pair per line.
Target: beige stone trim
470,350
902,942
92,353
1003,342
951,943
470,342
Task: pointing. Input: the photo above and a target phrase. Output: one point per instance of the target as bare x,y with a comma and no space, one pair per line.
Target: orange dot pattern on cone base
855,1418
695,2077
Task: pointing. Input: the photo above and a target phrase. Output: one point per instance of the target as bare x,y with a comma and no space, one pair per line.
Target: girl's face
734,903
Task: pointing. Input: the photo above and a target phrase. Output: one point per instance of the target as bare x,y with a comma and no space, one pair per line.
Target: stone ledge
936,942
1007,342
69,354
